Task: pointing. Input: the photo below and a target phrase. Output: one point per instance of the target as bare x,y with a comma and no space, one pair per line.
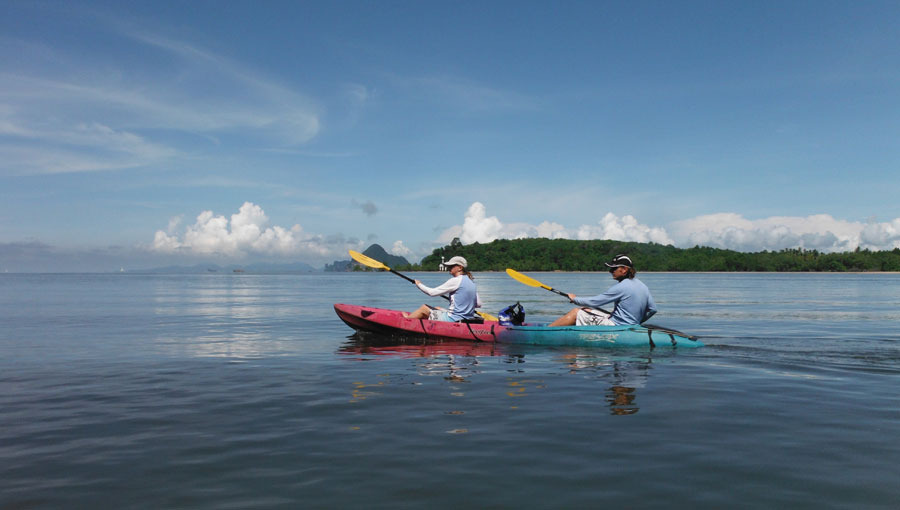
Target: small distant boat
211,270
238,270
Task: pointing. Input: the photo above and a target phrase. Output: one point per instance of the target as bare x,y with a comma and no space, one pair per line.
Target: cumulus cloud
732,231
625,228
479,227
884,235
399,249
816,232
246,232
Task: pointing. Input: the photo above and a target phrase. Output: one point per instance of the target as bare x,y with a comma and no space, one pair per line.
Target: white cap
456,261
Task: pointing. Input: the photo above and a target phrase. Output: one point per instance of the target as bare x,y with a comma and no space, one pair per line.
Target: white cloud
882,235
399,249
81,147
625,228
819,232
247,232
174,222
732,231
165,243
479,227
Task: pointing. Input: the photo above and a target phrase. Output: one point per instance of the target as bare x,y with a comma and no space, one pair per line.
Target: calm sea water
242,391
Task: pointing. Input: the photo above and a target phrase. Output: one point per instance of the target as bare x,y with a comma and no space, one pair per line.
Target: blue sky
136,134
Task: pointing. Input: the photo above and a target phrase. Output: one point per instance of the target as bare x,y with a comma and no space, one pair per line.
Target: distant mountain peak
380,254
374,251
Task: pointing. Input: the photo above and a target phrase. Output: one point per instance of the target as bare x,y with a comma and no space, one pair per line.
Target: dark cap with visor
620,261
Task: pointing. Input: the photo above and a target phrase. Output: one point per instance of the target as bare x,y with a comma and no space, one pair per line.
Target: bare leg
423,312
567,319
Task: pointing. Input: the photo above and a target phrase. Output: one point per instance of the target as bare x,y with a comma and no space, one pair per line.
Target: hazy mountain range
261,267
375,251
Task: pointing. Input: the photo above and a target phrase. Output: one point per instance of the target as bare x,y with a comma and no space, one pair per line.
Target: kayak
392,322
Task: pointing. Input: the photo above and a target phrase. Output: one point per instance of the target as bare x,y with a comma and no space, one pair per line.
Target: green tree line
543,254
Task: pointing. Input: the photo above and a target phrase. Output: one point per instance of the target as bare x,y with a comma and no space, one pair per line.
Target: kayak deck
392,322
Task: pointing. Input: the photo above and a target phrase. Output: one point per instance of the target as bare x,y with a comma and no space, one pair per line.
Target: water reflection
621,400
411,347
622,375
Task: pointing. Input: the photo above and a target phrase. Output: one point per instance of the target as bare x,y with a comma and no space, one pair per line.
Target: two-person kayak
392,322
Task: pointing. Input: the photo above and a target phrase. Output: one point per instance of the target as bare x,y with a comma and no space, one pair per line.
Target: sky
144,134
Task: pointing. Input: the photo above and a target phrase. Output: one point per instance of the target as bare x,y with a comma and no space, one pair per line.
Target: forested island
570,255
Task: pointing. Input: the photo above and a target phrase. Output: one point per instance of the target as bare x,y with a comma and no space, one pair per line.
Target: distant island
376,252
261,267
541,254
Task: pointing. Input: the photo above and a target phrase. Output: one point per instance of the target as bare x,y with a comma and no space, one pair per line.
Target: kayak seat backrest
473,320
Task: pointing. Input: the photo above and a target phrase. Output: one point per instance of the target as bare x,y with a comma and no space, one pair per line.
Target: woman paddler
461,289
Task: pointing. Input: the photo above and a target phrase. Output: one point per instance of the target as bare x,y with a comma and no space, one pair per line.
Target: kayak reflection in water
461,290
631,298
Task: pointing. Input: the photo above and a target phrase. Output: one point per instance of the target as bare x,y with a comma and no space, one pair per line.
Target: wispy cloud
103,113
466,95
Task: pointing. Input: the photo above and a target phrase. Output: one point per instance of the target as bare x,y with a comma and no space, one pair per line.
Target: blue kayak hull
596,336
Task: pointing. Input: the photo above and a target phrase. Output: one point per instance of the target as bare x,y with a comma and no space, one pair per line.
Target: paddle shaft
531,282
401,275
410,280
561,293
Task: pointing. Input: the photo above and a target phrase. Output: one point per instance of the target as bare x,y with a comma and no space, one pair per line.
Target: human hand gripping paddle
531,282
370,262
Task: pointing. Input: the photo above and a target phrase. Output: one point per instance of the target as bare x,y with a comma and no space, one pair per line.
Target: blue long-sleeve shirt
463,296
633,302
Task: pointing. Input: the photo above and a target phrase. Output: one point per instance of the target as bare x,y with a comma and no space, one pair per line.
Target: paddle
370,262
531,282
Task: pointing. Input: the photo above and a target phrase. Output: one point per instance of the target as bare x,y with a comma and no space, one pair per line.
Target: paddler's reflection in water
454,368
627,376
621,400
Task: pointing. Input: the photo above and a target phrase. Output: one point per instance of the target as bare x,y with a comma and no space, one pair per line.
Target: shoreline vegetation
548,255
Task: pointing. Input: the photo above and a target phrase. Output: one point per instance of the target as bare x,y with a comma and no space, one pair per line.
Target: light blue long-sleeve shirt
463,296
633,302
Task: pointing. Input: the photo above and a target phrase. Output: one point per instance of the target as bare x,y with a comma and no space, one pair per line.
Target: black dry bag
512,315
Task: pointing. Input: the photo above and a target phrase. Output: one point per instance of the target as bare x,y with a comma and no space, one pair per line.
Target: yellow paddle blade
527,280
367,261
487,316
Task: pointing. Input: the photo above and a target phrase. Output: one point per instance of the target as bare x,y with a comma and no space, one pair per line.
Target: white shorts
439,314
591,317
